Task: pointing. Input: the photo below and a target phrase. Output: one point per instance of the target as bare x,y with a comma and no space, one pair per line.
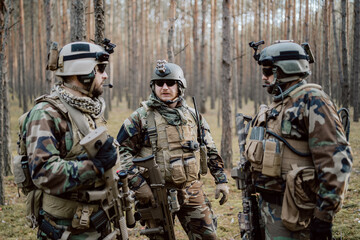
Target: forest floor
346,224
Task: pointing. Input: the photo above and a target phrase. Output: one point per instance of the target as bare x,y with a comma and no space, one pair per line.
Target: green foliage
346,225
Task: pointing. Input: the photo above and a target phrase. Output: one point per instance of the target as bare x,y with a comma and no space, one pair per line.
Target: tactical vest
80,124
268,150
178,165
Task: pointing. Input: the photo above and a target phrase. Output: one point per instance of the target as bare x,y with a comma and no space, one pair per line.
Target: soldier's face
268,78
166,90
100,77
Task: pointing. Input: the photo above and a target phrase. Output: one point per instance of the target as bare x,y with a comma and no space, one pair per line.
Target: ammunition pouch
22,176
299,198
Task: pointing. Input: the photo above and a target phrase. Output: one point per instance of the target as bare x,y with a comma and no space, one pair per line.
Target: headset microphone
108,85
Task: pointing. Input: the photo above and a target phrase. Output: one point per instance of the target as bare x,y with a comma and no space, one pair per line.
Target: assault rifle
159,218
113,199
249,218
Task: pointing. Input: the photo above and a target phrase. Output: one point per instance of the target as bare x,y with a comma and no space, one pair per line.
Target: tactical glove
106,156
144,194
224,189
320,230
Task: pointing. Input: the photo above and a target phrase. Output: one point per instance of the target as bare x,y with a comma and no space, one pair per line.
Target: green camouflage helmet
170,71
290,57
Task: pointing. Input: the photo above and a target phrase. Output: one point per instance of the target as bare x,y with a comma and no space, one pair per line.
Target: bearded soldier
174,143
300,157
60,171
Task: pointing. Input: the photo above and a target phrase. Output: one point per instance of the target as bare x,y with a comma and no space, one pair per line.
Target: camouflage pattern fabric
195,214
311,116
274,228
133,136
48,139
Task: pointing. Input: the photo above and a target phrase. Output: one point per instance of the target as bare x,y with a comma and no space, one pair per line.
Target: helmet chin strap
82,90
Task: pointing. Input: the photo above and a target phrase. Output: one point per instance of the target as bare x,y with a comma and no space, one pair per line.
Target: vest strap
152,131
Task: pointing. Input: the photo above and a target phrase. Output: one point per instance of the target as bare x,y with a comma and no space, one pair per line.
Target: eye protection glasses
169,83
101,68
267,72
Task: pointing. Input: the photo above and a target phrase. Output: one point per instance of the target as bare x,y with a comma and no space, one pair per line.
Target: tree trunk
48,74
22,48
4,21
326,62
356,60
306,22
195,78
170,42
213,54
226,137
345,85
40,47
77,22
202,58
337,50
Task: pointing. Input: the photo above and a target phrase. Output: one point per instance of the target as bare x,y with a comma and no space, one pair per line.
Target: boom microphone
108,85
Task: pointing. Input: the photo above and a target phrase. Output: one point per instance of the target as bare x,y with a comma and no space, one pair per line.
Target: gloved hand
106,156
320,230
224,189
144,194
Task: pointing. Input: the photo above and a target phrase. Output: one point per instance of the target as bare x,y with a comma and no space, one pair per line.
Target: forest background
208,39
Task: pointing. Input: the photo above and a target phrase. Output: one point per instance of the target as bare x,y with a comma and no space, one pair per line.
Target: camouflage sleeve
48,139
330,150
215,162
131,138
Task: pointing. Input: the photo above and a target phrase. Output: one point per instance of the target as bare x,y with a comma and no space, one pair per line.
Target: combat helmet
170,71
79,59
290,57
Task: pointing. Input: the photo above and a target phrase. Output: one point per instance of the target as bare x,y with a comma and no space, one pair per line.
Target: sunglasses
267,72
169,83
101,68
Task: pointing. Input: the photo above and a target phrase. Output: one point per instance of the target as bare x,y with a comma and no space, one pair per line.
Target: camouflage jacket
133,136
49,139
309,115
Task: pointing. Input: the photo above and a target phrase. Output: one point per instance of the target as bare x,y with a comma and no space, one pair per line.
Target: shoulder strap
152,130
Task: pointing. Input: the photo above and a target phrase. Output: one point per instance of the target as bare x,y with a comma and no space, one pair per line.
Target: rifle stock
249,218
159,217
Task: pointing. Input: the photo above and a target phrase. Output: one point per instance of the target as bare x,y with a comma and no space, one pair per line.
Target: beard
98,91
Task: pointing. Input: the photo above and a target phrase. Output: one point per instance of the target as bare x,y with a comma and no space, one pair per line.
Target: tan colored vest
178,166
269,161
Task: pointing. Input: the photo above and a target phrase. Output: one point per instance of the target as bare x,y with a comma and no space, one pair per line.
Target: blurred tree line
207,38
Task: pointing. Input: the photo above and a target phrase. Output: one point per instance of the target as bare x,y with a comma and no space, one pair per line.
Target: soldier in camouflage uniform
300,157
58,167
177,151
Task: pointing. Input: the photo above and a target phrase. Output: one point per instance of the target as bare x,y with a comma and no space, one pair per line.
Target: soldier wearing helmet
300,157
59,166
176,148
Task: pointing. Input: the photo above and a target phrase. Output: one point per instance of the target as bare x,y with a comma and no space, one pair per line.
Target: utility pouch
272,158
299,198
254,153
33,202
177,170
22,174
191,168
203,160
